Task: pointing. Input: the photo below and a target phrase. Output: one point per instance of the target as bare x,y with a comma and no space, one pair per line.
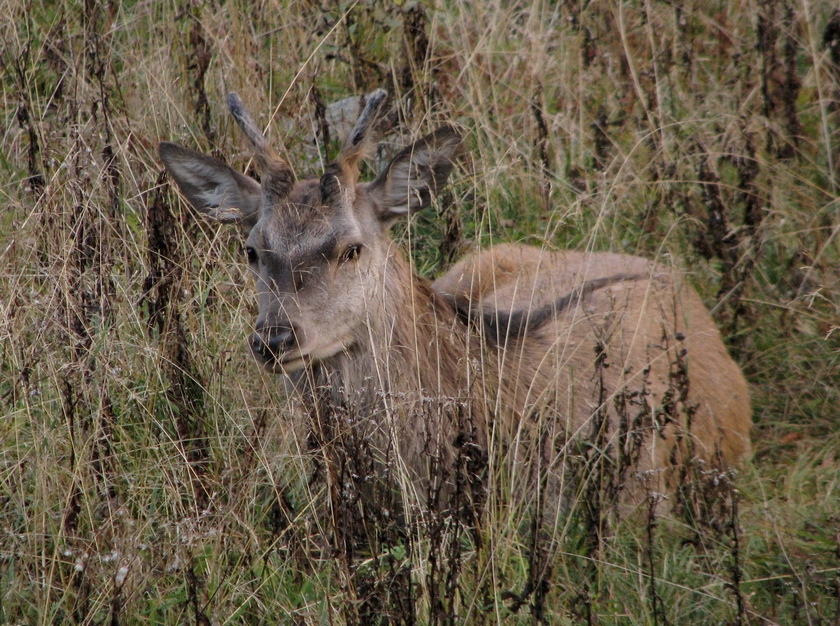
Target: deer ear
214,188
416,174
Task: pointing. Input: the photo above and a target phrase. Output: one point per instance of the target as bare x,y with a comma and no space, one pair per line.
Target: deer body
516,344
629,314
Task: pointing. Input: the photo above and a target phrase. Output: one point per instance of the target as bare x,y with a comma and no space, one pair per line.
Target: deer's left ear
416,175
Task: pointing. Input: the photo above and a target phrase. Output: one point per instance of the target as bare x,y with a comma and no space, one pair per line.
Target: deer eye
252,255
351,253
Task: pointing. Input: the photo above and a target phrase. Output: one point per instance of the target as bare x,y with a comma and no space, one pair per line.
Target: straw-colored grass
150,473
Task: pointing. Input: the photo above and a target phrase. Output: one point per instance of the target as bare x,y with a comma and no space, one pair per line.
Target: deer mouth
282,363
290,362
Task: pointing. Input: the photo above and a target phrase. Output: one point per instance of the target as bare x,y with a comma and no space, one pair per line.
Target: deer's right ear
214,188
416,175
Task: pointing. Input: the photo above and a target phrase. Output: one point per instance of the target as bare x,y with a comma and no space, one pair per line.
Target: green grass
151,474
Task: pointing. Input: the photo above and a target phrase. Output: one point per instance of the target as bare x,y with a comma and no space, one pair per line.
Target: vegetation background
151,474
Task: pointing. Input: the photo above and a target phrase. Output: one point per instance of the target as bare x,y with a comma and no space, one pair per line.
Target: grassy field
150,473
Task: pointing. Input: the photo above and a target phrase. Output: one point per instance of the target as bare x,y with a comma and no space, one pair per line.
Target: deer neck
407,385
411,348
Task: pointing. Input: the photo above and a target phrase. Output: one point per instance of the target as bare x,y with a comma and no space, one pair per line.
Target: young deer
516,348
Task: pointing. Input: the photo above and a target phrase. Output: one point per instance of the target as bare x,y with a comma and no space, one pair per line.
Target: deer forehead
303,227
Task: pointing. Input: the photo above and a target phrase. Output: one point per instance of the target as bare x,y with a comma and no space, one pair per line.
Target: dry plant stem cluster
149,473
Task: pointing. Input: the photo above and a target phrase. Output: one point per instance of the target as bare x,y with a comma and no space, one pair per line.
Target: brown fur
642,324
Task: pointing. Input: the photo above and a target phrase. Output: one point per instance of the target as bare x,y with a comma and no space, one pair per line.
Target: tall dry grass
152,474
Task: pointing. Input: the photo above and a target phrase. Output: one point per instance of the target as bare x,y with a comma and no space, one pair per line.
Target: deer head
318,247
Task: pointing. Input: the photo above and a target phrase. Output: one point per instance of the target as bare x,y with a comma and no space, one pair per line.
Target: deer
516,348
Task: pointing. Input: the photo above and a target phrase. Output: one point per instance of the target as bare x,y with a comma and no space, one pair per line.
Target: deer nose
270,342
